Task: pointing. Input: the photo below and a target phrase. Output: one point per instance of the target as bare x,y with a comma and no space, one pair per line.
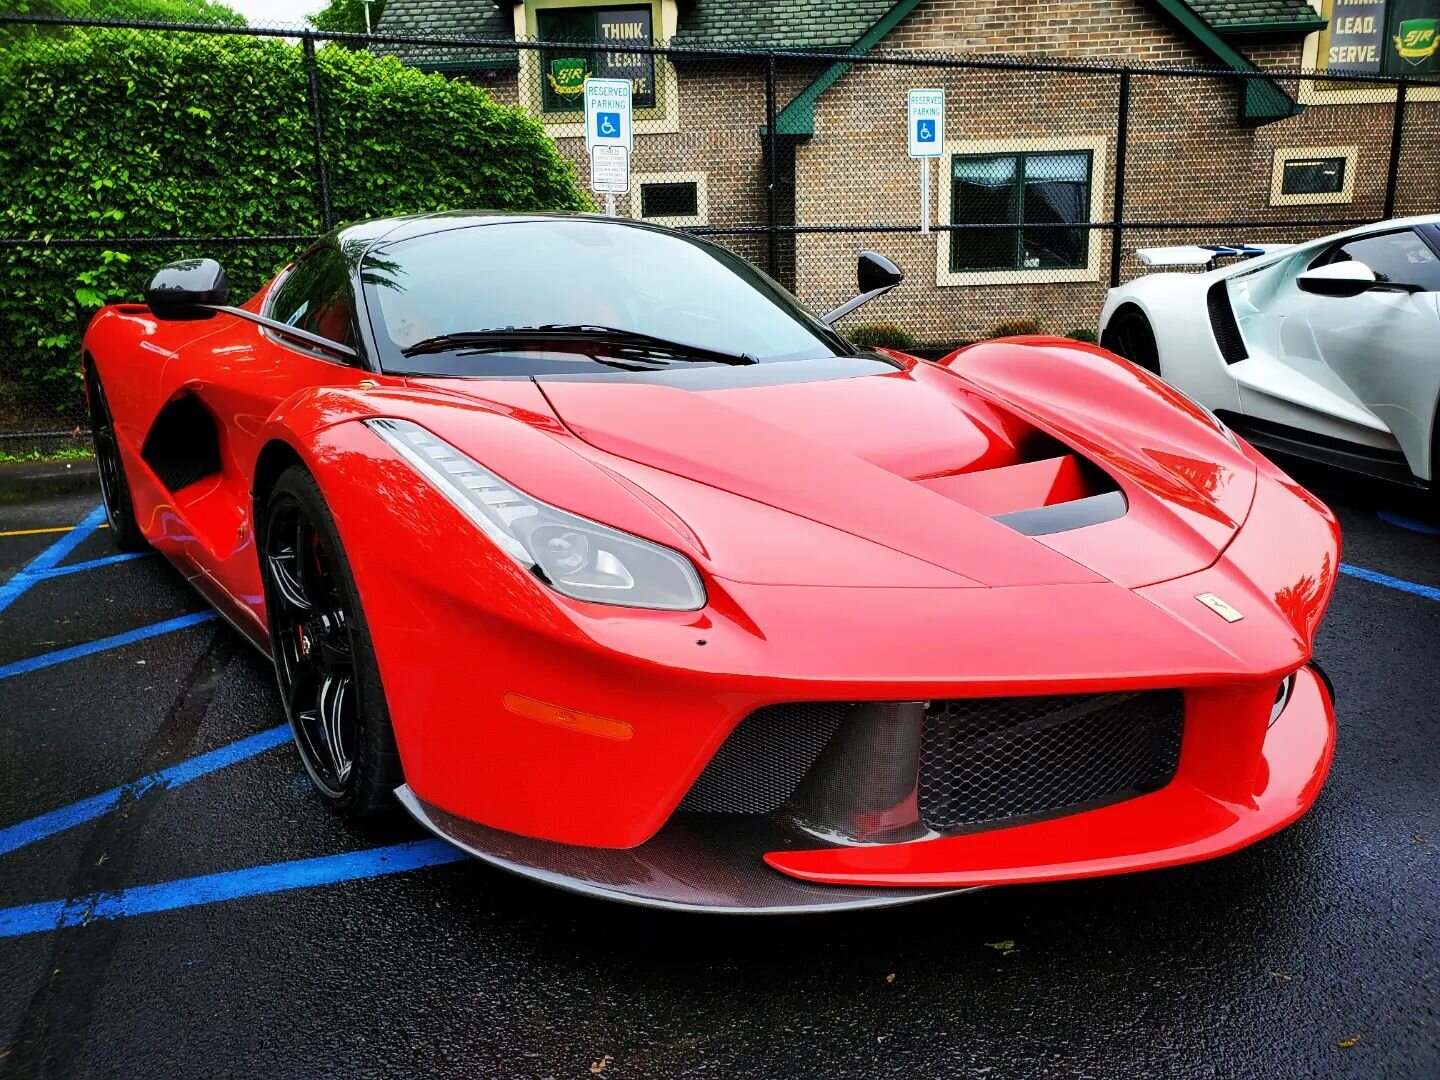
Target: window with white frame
1027,207
1309,175
599,36
598,39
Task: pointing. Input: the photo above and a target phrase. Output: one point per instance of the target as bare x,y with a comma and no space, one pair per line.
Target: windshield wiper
631,341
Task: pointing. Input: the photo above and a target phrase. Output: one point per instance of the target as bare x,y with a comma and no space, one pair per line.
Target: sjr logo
1417,40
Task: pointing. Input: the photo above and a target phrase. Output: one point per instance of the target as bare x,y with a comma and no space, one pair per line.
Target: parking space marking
227,885
1401,521
1429,592
48,559
75,568
74,652
78,813
47,529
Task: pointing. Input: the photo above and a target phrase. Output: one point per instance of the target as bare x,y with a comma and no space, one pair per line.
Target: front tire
1129,335
114,487
324,662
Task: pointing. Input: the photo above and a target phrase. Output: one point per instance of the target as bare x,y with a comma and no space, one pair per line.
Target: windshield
575,272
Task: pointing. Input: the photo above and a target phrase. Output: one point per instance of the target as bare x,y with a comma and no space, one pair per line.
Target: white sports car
1329,350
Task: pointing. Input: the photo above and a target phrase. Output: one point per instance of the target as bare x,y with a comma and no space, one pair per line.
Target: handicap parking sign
926,109
607,113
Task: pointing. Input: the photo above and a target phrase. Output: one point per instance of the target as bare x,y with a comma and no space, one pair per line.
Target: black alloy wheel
323,660
114,488
1130,336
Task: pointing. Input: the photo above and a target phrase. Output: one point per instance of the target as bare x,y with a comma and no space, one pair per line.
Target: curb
27,480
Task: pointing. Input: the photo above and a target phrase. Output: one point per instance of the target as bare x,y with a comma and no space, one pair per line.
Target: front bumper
639,703
1223,797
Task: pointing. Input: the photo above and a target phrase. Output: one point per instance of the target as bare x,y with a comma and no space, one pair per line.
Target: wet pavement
217,921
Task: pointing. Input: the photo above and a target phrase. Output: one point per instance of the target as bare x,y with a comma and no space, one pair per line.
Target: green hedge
126,134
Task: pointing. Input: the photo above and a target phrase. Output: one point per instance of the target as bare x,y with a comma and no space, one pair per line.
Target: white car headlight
576,557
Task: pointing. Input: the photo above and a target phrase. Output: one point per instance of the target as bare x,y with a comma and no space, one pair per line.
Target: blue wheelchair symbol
924,131
607,125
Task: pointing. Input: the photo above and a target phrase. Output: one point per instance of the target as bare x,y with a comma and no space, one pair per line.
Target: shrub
1015,327
114,133
1082,334
883,336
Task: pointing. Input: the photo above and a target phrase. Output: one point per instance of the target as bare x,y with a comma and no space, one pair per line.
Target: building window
599,35
1380,37
670,198
1312,176
1308,175
1031,197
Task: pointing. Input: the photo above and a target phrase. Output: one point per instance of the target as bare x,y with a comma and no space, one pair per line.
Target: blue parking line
74,652
228,885
78,813
76,568
1377,578
51,557
1401,521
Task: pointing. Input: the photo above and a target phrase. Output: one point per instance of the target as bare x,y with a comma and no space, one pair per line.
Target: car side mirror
1337,279
874,275
187,289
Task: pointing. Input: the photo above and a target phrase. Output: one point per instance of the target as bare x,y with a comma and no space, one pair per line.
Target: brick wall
721,112
1188,156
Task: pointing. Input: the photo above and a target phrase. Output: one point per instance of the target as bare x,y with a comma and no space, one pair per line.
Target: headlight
576,557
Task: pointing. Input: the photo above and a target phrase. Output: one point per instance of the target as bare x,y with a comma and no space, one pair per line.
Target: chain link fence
1053,173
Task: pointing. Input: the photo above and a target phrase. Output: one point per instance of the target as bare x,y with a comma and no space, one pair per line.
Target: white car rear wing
1207,255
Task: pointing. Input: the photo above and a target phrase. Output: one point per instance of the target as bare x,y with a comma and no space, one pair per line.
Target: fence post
1117,213
771,235
1397,140
322,179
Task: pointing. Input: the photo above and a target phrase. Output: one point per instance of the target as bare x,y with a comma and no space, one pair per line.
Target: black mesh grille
1223,325
988,759
759,766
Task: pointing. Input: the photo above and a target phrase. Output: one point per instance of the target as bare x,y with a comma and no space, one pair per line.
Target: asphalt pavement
175,902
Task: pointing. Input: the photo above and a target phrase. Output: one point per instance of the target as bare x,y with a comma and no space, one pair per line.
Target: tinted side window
315,296
1400,257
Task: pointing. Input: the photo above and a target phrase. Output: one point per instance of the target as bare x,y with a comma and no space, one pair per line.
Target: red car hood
881,458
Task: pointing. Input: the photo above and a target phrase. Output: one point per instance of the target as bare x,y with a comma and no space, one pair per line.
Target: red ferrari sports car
627,573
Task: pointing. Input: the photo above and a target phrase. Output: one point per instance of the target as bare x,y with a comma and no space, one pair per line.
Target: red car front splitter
738,865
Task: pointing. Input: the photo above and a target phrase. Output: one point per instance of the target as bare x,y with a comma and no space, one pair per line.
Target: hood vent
1054,491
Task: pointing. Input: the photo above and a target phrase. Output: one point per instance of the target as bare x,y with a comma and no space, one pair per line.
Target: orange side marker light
587,723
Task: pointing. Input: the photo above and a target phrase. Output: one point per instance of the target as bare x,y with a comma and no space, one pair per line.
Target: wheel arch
274,458
1131,305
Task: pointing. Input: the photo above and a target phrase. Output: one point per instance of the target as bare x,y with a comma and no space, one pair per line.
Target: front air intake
966,763
991,760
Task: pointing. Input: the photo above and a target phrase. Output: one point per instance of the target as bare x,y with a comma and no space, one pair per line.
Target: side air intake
1223,325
